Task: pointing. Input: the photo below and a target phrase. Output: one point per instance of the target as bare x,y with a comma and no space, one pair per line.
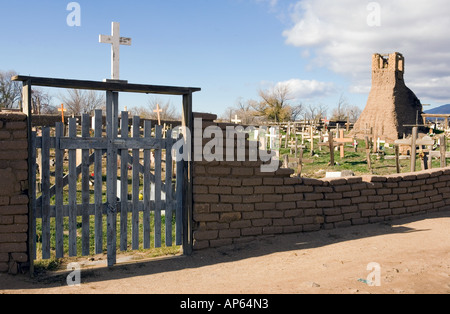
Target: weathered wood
111,179
72,192
414,149
59,174
105,86
397,158
158,181
443,151
179,198
32,195
45,197
369,161
85,195
135,186
124,185
147,186
98,184
187,179
168,189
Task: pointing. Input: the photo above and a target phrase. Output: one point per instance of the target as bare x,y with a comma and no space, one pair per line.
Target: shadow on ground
260,247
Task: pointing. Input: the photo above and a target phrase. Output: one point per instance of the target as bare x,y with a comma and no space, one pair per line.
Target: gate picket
143,176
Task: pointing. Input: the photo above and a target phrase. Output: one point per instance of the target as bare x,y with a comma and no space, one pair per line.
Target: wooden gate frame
112,89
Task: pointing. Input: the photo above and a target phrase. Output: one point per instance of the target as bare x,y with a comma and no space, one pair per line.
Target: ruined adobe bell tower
391,104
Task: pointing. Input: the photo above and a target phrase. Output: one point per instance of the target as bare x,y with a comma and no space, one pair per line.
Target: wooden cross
236,120
158,111
341,142
330,144
413,142
115,40
62,112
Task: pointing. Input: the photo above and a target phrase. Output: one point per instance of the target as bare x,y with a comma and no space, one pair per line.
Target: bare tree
315,113
79,102
276,105
10,92
41,102
168,111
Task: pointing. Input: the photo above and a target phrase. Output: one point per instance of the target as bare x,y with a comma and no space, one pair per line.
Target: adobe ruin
392,107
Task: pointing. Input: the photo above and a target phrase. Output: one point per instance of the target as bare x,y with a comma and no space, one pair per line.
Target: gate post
112,120
187,178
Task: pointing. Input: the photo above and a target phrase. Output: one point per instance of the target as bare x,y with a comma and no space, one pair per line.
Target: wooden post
300,163
188,172
443,150
369,162
414,149
312,140
397,157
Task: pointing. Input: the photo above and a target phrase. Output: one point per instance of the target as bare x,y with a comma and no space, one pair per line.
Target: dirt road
413,255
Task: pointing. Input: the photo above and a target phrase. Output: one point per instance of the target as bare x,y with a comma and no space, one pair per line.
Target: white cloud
307,89
338,36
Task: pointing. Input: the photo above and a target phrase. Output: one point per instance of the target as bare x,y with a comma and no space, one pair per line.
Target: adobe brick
313,211
313,196
374,198
286,205
13,238
15,125
303,189
7,220
265,206
351,216
264,189
209,181
4,200
273,181
384,212
206,235
252,182
221,208
324,204
13,247
292,181
351,194
14,210
274,230
230,217
273,198
252,231
405,197
218,170
360,221
293,213
206,198
311,228
292,197
405,184
368,213
5,135
221,190
390,198
333,196
304,220
349,209
205,217
261,222
384,191
332,211
243,190
283,222
19,134
359,199
343,202
232,233
381,205
284,190
424,200
243,207
306,204
323,189
368,192
233,199
398,211
240,224
255,198
200,189
273,214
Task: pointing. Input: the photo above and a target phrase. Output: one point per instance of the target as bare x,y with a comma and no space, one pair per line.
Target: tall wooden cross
158,111
115,40
62,112
341,142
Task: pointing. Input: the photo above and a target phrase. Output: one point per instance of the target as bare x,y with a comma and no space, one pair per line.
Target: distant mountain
445,109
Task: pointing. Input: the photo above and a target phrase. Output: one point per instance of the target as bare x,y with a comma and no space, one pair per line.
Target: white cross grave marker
236,120
115,40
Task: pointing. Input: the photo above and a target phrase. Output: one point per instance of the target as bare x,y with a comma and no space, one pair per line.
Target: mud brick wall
13,192
235,202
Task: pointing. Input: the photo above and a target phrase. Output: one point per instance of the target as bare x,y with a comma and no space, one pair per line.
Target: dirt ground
413,255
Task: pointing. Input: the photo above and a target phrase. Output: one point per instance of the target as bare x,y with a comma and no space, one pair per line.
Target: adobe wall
13,192
235,202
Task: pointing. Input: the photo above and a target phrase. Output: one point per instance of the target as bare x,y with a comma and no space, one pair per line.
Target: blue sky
231,48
